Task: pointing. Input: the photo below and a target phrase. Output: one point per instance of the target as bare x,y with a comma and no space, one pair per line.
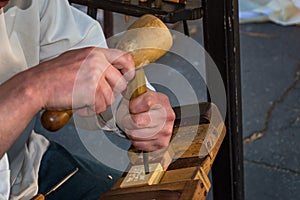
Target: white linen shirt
32,31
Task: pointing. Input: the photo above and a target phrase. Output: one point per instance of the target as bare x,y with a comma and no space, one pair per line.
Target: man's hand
85,79
148,122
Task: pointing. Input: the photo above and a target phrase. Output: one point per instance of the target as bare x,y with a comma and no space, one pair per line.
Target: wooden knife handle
55,120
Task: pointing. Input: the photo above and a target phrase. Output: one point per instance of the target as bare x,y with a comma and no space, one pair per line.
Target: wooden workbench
198,134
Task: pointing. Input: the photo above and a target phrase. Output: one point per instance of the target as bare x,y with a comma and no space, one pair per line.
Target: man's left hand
147,120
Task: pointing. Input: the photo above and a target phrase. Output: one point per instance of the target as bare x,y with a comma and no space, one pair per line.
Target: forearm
19,103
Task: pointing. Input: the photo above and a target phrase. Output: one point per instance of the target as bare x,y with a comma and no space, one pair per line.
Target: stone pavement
270,63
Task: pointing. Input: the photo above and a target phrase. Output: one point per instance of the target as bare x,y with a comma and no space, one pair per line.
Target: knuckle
140,122
135,120
172,115
121,85
165,99
128,57
94,78
148,101
167,133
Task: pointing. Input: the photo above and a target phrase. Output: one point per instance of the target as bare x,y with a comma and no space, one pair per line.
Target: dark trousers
88,183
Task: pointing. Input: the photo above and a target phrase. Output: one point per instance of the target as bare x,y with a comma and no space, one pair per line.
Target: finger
144,145
150,145
151,119
122,61
145,134
104,96
145,102
115,79
131,122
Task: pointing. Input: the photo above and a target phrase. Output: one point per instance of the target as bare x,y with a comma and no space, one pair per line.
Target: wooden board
136,175
183,190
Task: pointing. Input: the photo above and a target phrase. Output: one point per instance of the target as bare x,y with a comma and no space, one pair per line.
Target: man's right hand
85,79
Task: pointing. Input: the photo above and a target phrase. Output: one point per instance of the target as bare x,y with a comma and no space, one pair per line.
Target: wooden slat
177,186
186,190
183,174
208,161
186,162
193,191
147,195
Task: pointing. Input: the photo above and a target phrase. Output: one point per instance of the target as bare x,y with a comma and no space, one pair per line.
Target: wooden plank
193,114
204,178
186,174
136,175
208,161
183,174
186,162
193,191
177,186
187,190
147,195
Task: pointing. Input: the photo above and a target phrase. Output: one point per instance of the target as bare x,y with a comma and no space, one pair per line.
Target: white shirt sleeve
5,178
64,27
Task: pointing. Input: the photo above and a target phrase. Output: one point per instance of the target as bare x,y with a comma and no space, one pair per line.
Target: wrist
31,90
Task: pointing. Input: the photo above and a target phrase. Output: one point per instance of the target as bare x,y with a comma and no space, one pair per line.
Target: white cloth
32,31
12,56
283,12
4,177
26,184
